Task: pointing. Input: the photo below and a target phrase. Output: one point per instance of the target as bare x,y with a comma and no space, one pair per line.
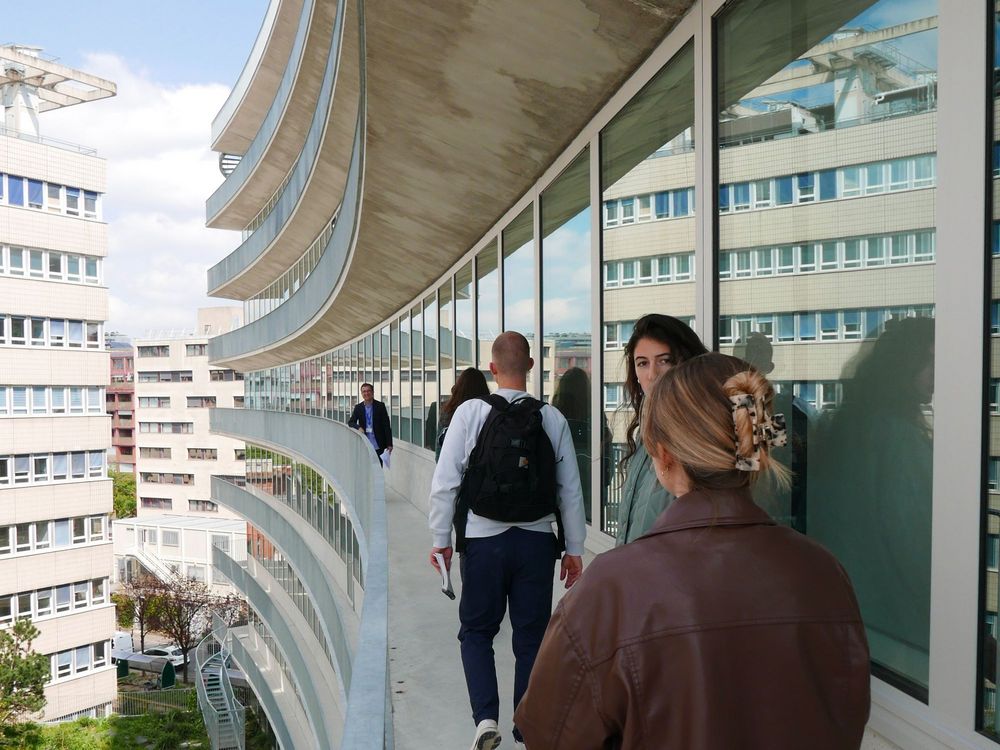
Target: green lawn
168,731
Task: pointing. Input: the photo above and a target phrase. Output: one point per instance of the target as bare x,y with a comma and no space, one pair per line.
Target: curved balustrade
297,546
347,461
224,194
239,91
283,710
254,246
283,620
317,289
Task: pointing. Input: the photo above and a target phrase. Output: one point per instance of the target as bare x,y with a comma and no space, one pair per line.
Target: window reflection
487,307
826,201
648,231
519,282
566,326
991,535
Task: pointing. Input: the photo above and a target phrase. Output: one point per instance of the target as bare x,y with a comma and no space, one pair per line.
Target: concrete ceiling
467,104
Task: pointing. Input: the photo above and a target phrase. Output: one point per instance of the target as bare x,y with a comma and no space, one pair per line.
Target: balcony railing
346,460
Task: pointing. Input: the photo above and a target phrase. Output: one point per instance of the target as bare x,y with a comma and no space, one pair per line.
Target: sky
174,64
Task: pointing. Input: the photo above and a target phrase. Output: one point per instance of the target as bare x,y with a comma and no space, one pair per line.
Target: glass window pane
566,323
648,147
487,306
519,278
849,401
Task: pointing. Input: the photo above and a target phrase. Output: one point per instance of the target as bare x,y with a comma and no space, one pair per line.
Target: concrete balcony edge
284,529
288,627
283,334
280,704
300,82
259,78
318,174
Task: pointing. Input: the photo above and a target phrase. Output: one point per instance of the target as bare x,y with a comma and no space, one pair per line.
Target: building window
203,454
198,402
203,506
196,350
156,503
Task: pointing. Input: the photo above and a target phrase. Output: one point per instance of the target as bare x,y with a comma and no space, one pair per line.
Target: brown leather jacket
717,630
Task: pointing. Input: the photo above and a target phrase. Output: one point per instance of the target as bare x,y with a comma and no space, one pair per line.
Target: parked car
173,653
121,645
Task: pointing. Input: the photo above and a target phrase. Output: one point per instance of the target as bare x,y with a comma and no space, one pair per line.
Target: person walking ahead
504,526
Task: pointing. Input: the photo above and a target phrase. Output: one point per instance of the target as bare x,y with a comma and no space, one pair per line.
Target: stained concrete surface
430,703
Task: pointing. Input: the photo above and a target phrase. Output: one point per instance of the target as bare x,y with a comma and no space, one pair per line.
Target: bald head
511,356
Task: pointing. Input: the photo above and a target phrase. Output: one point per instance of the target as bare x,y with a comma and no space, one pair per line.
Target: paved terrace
430,705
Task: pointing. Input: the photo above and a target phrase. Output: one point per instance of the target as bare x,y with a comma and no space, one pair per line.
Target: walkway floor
430,704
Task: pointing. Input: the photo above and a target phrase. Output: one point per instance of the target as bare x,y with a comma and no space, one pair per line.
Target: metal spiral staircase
225,717
228,162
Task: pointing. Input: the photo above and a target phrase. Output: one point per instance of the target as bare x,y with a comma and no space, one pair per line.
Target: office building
55,496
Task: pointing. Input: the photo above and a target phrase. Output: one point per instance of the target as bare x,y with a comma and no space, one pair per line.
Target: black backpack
511,474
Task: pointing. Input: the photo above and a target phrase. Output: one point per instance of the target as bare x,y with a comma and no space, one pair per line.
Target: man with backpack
507,471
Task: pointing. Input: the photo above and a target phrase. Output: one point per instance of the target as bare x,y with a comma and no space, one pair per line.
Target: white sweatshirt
460,439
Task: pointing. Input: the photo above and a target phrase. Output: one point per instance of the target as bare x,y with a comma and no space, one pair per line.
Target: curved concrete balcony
272,688
312,188
346,460
305,551
294,330
276,144
447,155
318,688
241,116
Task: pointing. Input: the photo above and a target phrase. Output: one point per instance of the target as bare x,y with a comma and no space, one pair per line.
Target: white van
121,645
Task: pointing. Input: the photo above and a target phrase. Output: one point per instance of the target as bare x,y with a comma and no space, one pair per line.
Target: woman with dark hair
719,628
658,342
470,384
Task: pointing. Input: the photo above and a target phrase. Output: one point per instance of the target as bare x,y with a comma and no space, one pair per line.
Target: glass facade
647,238
990,554
828,181
811,253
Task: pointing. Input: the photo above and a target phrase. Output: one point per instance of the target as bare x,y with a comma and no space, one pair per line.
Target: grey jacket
643,498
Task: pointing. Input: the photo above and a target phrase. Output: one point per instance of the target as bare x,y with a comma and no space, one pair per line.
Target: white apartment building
55,497
175,390
176,456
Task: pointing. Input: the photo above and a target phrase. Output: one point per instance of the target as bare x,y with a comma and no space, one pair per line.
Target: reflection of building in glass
55,496
779,180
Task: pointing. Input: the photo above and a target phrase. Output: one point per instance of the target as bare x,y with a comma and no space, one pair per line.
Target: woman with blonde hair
719,628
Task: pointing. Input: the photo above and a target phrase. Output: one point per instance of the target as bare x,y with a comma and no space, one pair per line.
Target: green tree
124,610
124,493
184,611
23,673
139,601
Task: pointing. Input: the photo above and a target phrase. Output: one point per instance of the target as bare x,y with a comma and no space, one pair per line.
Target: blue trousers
514,567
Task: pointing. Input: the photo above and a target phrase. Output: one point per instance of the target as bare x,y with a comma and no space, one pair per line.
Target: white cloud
160,172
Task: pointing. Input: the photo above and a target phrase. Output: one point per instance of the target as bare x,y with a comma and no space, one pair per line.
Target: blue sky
174,64
175,42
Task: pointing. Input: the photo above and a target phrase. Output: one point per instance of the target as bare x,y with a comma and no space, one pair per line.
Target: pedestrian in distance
371,418
471,383
718,629
507,472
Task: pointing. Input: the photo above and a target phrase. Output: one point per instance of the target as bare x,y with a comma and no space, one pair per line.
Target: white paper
446,588
385,459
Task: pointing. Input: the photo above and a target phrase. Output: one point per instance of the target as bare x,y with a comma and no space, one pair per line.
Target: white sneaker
487,735
518,745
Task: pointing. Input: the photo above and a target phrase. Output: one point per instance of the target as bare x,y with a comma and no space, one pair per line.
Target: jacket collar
704,508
